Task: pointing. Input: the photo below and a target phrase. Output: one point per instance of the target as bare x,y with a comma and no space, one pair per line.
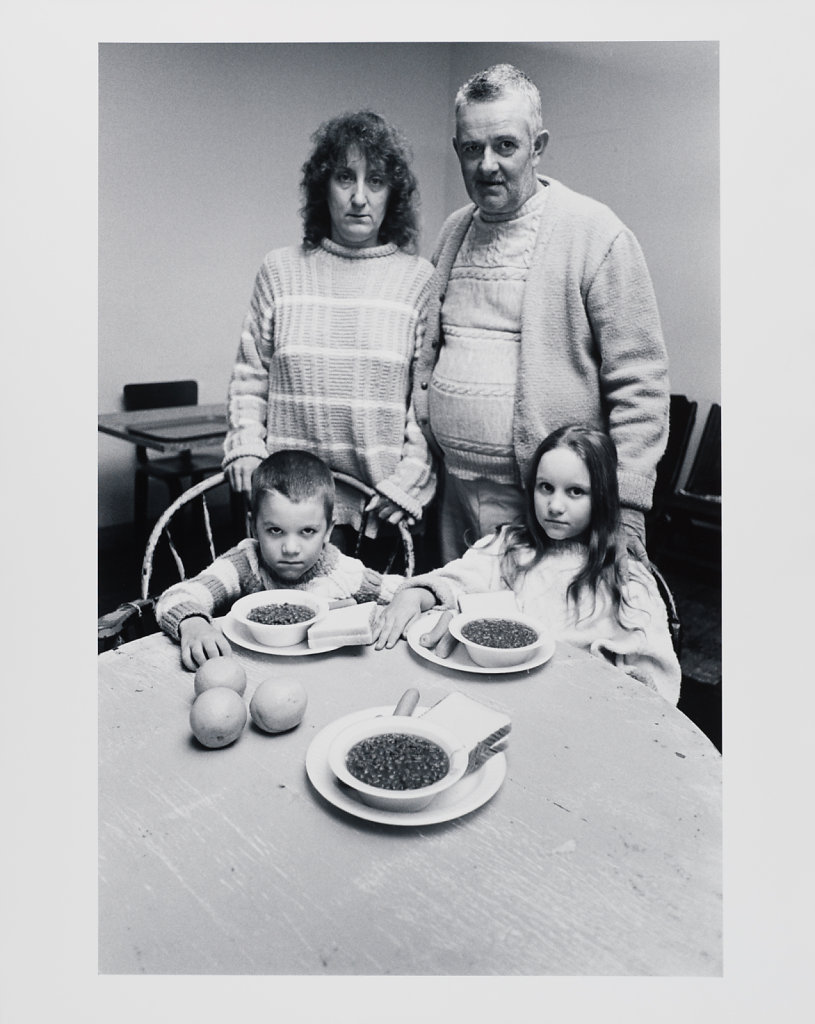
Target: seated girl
565,563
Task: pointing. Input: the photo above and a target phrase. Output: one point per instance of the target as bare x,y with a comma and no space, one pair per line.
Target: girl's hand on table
394,619
200,640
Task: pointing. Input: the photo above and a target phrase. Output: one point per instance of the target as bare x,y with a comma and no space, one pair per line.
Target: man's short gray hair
498,81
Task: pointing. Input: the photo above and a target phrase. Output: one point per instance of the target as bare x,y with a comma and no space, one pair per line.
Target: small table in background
176,429
189,432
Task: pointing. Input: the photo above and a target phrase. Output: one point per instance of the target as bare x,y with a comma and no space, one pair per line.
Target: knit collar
324,566
371,252
570,547
531,206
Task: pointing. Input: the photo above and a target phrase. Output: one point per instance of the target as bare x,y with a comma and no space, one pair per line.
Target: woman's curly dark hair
383,147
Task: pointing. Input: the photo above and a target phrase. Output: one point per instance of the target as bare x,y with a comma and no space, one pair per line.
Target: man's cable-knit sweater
592,350
240,571
472,393
325,363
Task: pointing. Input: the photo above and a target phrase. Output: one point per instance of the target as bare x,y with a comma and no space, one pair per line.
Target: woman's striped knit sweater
325,363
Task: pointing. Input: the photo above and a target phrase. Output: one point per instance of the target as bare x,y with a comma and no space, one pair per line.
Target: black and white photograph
471,441
403,383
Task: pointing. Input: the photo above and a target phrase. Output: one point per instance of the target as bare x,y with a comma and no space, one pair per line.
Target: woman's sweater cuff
249,453
401,498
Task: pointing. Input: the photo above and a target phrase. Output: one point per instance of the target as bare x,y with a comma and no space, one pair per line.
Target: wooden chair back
189,535
197,495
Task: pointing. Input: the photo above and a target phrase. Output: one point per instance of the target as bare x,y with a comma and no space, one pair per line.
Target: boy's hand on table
394,619
201,640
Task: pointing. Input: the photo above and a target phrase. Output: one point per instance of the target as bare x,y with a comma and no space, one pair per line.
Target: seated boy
292,507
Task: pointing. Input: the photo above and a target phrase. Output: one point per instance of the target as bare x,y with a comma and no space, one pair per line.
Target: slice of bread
344,626
483,729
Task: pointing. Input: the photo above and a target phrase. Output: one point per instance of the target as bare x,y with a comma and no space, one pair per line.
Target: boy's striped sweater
239,571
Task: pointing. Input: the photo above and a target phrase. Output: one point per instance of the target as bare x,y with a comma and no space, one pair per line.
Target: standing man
547,316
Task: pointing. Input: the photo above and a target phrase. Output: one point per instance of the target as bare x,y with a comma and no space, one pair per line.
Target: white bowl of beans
279,618
498,640
397,763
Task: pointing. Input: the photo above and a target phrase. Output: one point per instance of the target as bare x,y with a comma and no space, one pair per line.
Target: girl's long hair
596,451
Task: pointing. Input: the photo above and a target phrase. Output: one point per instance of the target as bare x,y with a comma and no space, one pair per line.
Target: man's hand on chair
632,523
388,510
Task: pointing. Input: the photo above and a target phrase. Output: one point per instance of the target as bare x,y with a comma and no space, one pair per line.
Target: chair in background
176,471
705,477
189,535
693,514
680,427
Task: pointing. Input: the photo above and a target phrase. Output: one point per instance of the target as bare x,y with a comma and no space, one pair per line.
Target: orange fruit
221,671
217,716
278,705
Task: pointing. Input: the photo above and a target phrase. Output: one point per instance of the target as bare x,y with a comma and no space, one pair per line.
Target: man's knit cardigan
592,350
325,363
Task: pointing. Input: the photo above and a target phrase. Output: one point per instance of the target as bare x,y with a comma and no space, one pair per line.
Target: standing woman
326,355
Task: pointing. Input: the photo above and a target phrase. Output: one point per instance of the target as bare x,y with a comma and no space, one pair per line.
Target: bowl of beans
279,618
498,641
397,763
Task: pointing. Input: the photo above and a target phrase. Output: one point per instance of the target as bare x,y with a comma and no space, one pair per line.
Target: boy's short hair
297,475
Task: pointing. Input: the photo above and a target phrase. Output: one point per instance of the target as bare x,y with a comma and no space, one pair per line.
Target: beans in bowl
499,633
282,613
397,760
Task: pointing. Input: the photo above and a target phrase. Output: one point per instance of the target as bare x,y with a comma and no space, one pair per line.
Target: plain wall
200,149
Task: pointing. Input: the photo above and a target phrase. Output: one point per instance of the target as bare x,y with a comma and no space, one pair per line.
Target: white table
599,855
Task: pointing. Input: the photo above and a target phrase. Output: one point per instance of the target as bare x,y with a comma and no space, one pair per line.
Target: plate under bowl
400,799
279,635
497,657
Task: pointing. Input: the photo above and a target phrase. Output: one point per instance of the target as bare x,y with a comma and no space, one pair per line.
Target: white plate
460,659
471,792
235,630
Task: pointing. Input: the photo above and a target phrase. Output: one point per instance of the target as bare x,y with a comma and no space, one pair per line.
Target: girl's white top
639,642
